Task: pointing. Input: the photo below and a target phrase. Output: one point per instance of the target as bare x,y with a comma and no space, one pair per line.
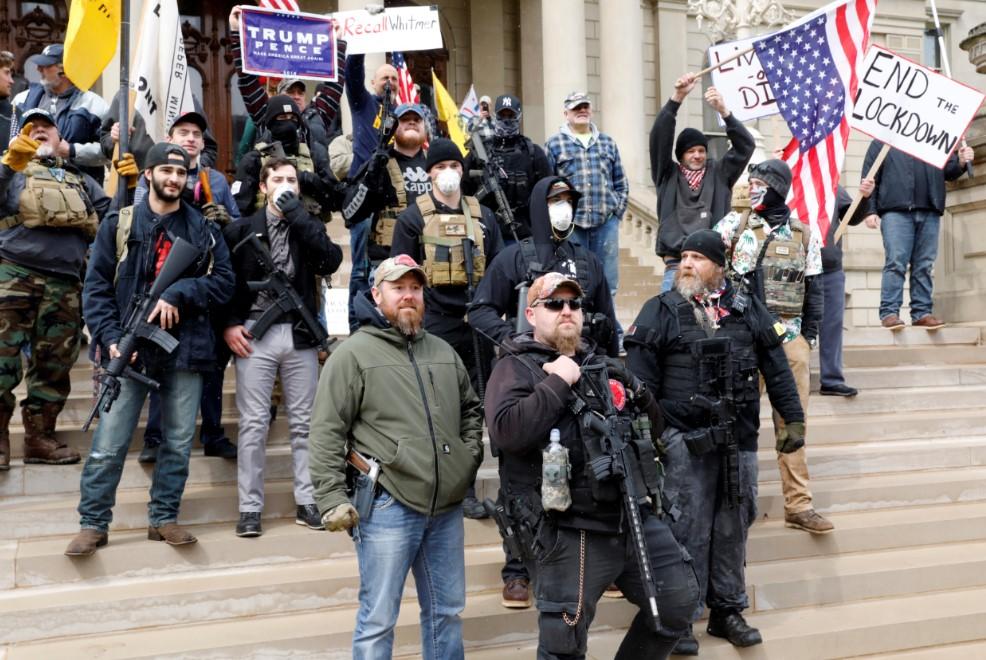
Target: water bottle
555,494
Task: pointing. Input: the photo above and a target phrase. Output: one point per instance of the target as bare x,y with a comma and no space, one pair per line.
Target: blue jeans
604,242
359,278
909,239
667,282
394,540
212,412
830,333
180,394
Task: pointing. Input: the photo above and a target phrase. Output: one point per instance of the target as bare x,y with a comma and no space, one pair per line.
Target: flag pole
729,59
946,67
123,102
859,196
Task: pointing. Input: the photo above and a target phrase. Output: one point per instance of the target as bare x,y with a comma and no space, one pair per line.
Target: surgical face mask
756,197
447,181
560,215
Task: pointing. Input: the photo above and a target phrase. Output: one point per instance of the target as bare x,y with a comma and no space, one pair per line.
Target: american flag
405,84
812,70
282,5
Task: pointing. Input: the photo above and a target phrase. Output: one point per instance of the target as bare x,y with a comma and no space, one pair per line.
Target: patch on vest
619,394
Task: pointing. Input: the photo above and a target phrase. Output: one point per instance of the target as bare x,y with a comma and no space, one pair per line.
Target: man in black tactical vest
576,545
699,348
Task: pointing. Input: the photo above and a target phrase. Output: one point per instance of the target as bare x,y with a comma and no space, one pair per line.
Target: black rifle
182,255
715,377
490,175
286,299
380,156
467,257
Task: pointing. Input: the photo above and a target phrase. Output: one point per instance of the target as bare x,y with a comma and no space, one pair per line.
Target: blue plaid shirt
596,172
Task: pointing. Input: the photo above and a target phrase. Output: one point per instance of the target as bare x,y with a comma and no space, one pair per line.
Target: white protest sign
395,29
911,107
742,83
337,311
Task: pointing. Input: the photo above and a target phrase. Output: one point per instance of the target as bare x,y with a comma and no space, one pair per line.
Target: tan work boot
40,445
808,521
85,543
5,439
170,533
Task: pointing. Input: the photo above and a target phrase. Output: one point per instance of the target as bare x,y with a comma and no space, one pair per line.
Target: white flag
160,70
470,106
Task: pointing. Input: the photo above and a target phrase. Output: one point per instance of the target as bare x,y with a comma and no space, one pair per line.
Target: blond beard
408,325
567,343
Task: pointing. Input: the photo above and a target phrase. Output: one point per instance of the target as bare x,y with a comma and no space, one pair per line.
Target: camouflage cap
394,268
547,284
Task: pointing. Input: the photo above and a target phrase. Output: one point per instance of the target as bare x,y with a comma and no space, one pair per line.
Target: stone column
622,76
488,58
373,60
563,52
531,70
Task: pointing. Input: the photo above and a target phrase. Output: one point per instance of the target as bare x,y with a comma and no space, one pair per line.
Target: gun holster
361,490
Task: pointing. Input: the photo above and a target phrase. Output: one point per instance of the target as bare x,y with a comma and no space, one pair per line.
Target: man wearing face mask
519,164
433,231
780,258
384,191
319,193
696,191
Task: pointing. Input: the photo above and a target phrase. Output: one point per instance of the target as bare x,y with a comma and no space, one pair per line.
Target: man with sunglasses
551,378
699,348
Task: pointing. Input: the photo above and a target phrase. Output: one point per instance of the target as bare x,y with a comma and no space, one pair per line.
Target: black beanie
776,173
442,149
687,139
279,105
708,243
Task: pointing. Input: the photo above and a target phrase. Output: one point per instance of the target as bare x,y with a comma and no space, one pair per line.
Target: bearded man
398,400
698,348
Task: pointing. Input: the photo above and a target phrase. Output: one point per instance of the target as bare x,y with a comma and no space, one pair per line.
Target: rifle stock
491,183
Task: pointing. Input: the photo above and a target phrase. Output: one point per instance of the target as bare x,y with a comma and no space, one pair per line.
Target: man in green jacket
400,397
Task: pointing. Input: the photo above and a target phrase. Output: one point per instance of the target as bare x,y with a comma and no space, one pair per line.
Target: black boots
731,625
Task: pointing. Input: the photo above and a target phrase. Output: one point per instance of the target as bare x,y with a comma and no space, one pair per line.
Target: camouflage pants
42,312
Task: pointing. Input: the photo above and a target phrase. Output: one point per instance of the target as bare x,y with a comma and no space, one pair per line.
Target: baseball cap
559,187
405,108
165,153
34,114
191,118
52,54
288,83
507,102
576,99
394,268
547,284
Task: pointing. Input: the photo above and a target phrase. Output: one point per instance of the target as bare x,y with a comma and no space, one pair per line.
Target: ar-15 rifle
182,255
379,158
286,299
490,175
715,377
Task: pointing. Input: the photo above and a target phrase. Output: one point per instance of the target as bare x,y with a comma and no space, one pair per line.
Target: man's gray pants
713,532
255,376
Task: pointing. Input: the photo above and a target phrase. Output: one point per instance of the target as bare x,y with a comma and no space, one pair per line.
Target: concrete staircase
901,470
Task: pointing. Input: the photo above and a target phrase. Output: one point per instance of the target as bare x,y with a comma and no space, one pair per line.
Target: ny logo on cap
507,102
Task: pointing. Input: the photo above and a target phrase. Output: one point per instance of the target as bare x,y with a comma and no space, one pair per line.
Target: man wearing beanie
678,344
785,275
696,191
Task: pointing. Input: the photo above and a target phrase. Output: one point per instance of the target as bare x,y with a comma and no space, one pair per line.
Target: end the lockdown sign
911,107
287,44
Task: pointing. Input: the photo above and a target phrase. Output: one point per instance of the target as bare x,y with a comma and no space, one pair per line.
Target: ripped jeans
180,395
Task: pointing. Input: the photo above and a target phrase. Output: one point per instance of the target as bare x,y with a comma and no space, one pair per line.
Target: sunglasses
557,304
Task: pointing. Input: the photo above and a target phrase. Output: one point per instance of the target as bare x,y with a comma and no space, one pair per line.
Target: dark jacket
723,174
312,252
446,300
901,175
658,333
6,117
364,107
109,292
497,294
521,164
832,251
320,185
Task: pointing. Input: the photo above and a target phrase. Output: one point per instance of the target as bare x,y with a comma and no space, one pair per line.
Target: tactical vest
302,162
382,233
517,186
50,201
444,259
781,264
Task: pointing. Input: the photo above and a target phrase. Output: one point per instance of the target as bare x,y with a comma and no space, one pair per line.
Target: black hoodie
496,296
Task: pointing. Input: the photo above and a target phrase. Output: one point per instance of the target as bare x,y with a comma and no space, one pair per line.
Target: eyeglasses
557,304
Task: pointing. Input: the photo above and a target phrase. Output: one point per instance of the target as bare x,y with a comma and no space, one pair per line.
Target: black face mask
773,207
284,131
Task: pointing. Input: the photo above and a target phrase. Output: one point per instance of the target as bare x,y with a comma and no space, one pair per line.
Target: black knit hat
279,105
708,243
442,149
776,173
687,139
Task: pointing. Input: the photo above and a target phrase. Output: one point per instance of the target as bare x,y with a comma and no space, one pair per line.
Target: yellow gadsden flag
91,39
448,112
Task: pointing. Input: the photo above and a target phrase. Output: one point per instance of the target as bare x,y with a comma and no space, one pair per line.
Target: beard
162,192
563,338
690,286
408,139
45,150
407,319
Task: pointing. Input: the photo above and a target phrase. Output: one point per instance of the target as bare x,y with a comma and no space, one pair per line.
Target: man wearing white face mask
433,231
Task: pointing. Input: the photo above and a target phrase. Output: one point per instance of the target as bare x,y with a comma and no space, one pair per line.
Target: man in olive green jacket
401,397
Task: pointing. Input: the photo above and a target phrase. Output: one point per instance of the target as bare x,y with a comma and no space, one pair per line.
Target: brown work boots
85,542
40,444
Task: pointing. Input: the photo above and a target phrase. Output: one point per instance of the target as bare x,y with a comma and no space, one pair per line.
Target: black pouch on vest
699,442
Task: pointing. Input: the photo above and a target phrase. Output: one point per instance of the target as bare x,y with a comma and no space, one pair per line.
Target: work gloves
21,149
791,438
341,518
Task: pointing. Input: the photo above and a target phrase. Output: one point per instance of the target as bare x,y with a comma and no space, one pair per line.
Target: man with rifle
501,171
272,328
160,228
699,348
608,529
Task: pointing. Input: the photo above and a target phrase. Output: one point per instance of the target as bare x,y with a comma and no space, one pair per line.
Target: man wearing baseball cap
520,164
590,160
77,113
117,275
400,397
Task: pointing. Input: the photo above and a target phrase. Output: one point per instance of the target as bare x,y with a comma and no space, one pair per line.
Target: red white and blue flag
812,68
405,84
280,5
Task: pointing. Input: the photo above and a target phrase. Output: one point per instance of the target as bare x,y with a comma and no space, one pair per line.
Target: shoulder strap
425,205
799,227
530,256
124,222
740,228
